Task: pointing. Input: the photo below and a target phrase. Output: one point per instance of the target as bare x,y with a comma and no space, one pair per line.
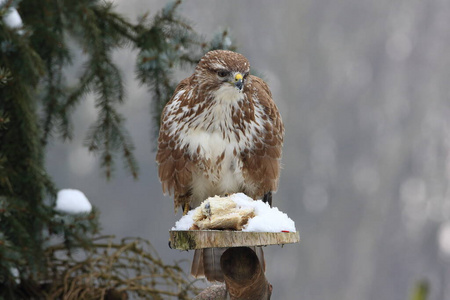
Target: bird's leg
268,198
186,209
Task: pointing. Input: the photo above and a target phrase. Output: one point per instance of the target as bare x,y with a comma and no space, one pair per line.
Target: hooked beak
238,81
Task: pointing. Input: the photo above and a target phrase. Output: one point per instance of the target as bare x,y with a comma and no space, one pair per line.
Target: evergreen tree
36,241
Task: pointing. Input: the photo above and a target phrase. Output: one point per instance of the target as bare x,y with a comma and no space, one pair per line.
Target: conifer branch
36,103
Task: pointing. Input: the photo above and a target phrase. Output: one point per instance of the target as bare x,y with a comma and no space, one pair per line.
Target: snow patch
12,18
72,201
444,238
267,219
185,222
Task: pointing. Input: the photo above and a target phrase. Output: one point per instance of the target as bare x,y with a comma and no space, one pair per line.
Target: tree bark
214,292
244,276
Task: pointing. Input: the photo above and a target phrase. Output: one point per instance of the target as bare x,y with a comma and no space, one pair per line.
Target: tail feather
197,269
206,263
260,254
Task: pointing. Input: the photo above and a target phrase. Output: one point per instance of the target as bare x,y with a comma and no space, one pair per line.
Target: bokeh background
363,88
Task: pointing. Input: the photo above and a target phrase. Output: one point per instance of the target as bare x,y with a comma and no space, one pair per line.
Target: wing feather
261,163
175,164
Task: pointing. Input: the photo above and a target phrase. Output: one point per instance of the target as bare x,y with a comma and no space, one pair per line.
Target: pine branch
48,39
33,62
116,23
52,100
108,134
101,32
75,96
5,76
169,42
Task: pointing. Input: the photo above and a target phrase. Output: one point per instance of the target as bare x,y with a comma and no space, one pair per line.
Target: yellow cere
238,77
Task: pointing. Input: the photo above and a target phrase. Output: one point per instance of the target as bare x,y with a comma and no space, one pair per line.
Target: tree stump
243,274
244,278
199,239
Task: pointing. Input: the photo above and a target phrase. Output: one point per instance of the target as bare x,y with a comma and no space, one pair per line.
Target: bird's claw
186,209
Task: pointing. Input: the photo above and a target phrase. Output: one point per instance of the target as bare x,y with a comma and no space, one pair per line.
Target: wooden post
244,276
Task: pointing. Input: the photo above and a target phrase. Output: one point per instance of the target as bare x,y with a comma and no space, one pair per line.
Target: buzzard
220,133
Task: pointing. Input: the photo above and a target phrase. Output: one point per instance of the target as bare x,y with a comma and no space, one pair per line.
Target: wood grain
199,239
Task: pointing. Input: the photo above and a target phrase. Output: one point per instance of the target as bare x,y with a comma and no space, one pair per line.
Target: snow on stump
237,221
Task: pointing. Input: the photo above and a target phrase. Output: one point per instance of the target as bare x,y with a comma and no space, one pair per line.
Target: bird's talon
186,209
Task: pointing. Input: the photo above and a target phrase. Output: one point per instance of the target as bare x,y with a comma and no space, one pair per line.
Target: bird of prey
220,133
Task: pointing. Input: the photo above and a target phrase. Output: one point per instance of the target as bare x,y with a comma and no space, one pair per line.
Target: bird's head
222,70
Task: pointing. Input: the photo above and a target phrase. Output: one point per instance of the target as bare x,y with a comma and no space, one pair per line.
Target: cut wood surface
199,239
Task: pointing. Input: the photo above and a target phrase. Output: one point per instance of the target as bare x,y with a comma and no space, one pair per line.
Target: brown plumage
220,133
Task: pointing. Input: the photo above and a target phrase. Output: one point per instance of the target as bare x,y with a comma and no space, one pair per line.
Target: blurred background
363,89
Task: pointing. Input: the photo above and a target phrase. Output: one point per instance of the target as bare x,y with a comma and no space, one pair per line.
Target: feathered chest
218,129
216,133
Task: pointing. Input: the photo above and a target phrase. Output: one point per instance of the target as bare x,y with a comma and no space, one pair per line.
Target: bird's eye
245,75
222,73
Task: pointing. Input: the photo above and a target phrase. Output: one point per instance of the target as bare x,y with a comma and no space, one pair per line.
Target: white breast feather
225,176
